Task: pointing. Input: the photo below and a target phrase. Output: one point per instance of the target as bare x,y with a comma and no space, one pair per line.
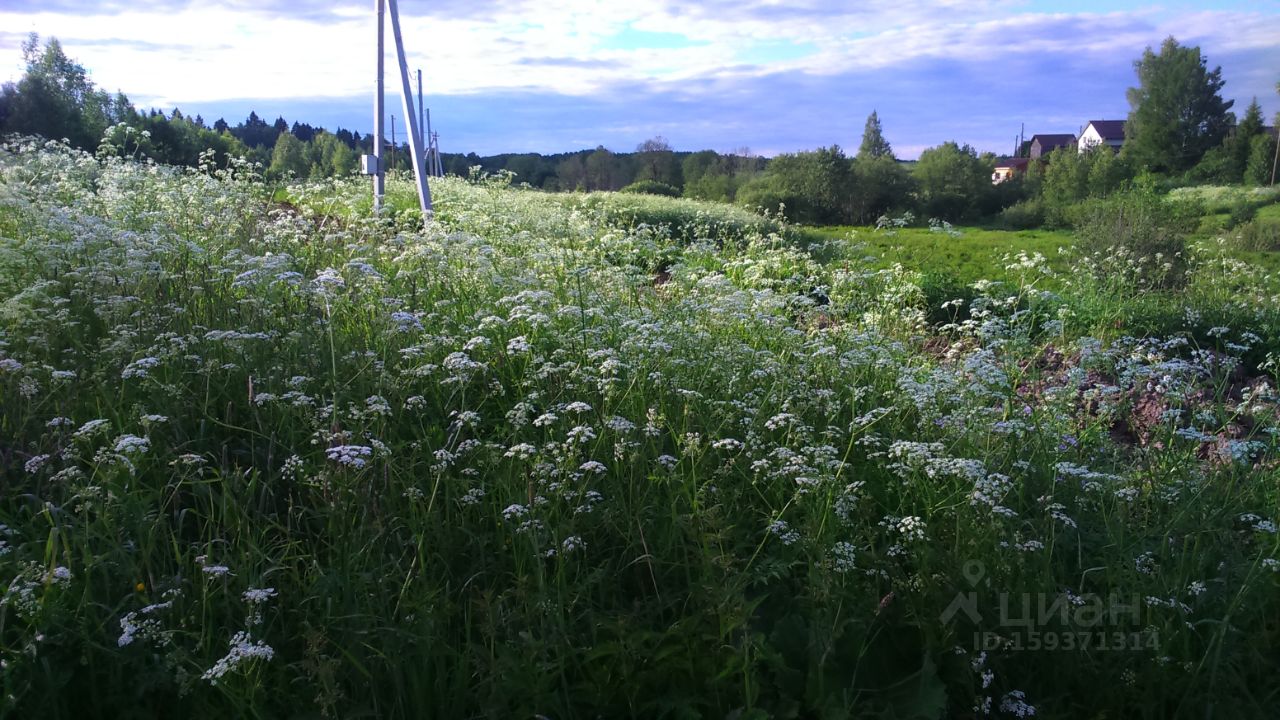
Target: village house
1007,168
1102,132
1042,145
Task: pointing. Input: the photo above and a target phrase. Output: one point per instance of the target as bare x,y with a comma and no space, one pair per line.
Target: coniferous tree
1241,145
1177,111
873,143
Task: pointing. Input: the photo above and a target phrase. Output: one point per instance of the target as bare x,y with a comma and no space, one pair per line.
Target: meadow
615,456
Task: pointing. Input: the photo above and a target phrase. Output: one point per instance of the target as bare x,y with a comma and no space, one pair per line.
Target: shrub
1024,215
1260,234
1136,238
941,290
652,187
1242,211
686,220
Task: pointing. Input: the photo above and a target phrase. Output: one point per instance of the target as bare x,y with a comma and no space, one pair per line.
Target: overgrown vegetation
538,458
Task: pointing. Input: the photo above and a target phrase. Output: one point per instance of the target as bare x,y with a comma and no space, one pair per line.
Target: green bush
1136,238
687,220
1242,212
1213,224
652,187
940,290
1024,215
1260,234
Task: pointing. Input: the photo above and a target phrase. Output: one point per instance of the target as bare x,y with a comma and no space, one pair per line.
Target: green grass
285,460
975,254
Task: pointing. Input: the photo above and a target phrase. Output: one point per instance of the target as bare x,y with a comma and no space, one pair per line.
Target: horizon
523,77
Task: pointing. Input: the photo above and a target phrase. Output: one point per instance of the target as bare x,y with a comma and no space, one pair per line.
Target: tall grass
283,460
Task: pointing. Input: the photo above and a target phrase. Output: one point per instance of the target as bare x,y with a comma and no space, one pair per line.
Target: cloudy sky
556,75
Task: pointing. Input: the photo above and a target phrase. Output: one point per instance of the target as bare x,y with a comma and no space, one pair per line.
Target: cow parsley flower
911,528
132,444
140,625
843,556
472,497
350,455
33,465
138,368
243,649
258,596
582,434
91,427
216,571
783,531
1015,703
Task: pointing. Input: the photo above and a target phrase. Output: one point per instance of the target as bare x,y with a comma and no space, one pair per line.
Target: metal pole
393,142
431,146
379,179
406,98
421,140
1276,158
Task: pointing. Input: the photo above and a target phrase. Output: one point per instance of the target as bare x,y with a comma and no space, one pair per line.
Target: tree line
1180,131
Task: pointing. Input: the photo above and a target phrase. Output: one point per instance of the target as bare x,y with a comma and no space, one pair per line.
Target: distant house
1042,145
1102,132
1007,168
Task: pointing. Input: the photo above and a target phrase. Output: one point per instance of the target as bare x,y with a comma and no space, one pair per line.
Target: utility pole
379,176
433,152
422,139
392,162
1276,158
406,97
373,164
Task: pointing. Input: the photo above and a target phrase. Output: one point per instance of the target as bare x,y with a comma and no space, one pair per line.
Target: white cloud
187,53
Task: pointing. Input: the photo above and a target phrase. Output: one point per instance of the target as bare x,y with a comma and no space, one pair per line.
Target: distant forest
1180,131
56,99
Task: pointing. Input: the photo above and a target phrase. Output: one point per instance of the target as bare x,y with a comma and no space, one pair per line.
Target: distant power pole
1276,158
434,168
392,163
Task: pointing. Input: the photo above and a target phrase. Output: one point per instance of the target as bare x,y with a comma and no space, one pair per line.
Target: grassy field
970,255
562,457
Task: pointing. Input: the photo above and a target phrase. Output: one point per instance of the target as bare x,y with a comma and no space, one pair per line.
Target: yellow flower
140,587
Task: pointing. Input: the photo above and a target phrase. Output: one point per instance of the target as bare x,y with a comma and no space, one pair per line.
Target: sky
559,75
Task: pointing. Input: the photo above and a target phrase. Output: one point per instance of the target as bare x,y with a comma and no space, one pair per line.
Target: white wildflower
33,465
243,649
349,455
132,444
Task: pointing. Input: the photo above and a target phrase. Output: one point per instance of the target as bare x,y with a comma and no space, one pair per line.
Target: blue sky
556,75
